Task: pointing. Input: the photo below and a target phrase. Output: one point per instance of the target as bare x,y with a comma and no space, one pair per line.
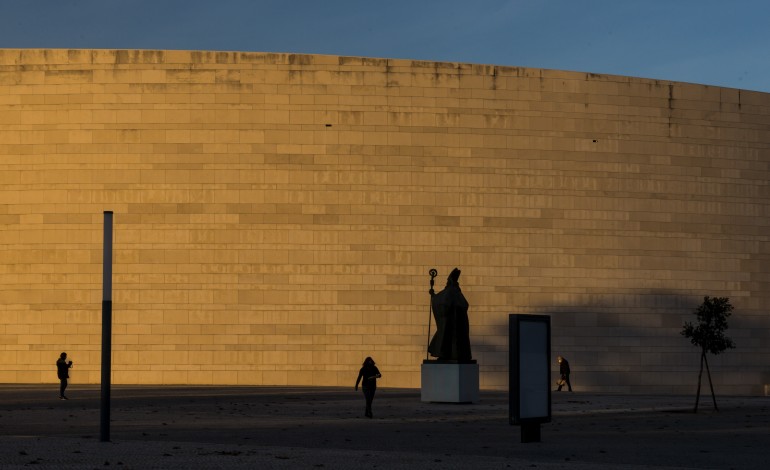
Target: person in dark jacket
564,371
369,373
62,371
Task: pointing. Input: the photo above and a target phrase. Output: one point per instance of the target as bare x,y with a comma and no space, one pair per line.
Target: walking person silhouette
564,371
369,373
62,371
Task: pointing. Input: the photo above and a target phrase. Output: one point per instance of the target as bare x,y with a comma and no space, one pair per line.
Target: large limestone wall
276,216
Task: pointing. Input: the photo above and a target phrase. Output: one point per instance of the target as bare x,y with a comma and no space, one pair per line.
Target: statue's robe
452,339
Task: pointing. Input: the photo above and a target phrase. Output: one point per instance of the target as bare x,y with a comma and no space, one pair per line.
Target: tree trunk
711,384
700,375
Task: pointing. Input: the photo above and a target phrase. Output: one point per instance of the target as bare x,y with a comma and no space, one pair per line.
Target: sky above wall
713,42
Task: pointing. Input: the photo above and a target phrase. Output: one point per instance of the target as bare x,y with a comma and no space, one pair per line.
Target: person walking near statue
62,371
564,372
369,374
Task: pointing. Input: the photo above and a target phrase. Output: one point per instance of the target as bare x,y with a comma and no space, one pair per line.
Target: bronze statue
450,309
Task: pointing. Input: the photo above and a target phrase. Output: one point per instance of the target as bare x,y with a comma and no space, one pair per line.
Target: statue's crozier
450,309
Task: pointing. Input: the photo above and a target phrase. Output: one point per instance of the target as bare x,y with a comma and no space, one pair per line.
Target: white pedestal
448,382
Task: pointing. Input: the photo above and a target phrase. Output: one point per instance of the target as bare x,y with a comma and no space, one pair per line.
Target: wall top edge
127,57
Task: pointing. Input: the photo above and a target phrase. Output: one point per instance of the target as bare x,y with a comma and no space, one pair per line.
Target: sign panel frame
529,369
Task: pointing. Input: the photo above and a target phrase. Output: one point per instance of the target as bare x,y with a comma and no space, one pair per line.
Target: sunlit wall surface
276,216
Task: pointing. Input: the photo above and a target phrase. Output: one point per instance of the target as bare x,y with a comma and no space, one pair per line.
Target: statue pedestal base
449,382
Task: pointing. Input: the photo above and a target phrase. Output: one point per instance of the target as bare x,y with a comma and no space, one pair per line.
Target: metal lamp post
104,428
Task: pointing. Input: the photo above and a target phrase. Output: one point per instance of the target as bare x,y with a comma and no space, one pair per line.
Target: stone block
449,382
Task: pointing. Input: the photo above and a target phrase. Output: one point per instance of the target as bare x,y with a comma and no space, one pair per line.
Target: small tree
709,335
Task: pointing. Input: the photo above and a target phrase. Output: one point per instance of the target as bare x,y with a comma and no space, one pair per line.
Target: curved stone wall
276,216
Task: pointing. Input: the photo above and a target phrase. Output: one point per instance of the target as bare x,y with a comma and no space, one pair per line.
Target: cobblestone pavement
315,427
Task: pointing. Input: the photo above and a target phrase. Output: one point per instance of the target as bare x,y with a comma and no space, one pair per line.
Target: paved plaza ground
314,427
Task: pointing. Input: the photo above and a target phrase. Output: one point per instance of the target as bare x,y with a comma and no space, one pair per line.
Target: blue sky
715,42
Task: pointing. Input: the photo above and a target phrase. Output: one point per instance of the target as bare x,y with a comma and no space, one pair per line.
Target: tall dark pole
104,428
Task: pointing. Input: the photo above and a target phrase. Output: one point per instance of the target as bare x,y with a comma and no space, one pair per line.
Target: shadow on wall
632,344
